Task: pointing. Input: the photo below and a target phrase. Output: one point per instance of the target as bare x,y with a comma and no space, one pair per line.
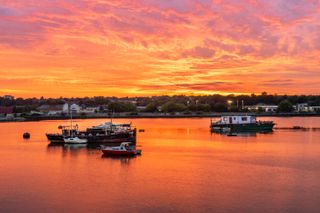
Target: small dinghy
75,140
123,150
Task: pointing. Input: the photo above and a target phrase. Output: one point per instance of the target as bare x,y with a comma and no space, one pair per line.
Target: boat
107,132
123,150
75,140
241,123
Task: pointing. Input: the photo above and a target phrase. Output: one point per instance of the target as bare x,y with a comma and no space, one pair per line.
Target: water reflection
124,160
74,146
67,149
241,134
184,168
91,148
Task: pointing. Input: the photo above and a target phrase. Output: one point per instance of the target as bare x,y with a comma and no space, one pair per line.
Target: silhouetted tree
285,106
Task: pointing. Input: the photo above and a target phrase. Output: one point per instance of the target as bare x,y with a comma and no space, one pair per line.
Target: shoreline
156,115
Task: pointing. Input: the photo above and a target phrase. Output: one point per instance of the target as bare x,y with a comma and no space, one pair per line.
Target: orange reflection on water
183,167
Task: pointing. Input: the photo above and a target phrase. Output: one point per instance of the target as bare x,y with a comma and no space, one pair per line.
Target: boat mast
71,122
111,120
111,116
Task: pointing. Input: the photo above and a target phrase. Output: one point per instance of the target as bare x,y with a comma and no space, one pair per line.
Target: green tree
173,107
220,107
121,107
285,106
151,107
204,107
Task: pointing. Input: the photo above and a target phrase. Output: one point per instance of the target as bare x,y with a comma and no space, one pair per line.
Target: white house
302,107
65,108
74,108
314,108
90,110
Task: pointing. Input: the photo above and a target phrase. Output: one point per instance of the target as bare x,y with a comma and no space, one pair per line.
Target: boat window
234,118
244,118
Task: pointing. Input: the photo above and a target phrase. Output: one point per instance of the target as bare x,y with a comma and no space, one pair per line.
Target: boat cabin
245,119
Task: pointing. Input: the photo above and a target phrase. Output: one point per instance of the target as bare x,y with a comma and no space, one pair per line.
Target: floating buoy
26,135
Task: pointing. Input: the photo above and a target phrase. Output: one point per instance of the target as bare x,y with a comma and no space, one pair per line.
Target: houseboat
241,123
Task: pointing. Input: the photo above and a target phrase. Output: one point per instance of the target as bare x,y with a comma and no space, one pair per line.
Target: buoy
26,135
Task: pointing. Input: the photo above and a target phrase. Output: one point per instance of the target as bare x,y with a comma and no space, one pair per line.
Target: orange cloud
150,47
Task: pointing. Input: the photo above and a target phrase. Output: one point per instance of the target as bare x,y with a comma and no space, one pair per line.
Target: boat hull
119,152
55,138
59,138
82,141
253,127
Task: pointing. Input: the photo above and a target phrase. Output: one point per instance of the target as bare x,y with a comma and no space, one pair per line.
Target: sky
77,48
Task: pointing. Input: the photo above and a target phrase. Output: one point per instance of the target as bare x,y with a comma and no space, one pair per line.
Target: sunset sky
153,47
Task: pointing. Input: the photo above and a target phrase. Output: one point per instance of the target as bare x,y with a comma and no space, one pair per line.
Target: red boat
123,150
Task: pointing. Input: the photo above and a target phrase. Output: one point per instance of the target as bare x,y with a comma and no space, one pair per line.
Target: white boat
123,149
75,140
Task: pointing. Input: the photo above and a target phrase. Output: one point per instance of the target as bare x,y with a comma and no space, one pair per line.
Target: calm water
183,168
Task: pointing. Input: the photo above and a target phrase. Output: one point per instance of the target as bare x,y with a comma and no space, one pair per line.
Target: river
183,168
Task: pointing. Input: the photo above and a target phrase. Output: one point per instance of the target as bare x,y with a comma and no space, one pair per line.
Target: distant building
141,108
90,110
74,108
314,108
50,108
65,108
10,116
262,108
8,97
302,107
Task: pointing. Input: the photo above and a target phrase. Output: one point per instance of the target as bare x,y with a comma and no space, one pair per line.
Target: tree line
177,103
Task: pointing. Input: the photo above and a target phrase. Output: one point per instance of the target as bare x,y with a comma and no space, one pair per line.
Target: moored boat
241,123
75,140
105,133
123,150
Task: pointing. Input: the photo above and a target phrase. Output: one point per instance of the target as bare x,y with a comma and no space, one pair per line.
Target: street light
229,104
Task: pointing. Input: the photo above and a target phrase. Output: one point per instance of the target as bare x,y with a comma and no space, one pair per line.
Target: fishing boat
75,140
104,133
107,132
241,123
123,150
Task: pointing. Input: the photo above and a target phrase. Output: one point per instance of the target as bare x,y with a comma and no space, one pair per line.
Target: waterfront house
314,108
50,108
302,107
262,108
89,110
75,108
8,97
